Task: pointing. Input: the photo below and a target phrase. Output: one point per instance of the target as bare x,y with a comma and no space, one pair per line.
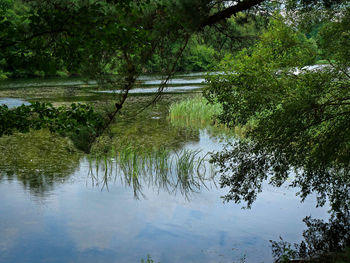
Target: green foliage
43,38
339,34
148,260
255,78
297,122
343,257
79,121
236,33
197,58
195,110
205,49
76,35
25,44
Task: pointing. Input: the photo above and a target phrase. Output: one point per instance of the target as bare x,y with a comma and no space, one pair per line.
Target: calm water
71,215
146,80
11,103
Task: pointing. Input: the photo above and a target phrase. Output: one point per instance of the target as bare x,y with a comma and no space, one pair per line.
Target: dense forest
203,51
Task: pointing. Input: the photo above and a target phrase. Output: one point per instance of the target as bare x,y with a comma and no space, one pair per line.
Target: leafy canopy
296,119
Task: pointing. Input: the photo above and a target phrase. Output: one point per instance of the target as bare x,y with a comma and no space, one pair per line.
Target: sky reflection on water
77,222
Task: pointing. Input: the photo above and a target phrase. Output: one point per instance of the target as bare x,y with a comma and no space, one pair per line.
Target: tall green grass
195,111
199,113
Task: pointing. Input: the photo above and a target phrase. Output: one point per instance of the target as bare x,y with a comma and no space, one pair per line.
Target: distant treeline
19,57
203,52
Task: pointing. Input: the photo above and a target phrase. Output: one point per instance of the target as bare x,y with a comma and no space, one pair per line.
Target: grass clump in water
197,111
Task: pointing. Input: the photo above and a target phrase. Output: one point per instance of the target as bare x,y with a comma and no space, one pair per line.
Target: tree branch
228,12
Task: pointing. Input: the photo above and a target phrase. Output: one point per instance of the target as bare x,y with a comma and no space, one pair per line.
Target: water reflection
145,157
11,103
323,241
147,151
183,171
40,160
81,223
37,159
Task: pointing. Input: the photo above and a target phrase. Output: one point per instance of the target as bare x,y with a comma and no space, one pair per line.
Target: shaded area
38,159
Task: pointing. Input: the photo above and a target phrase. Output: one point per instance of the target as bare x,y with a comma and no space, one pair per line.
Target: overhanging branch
228,12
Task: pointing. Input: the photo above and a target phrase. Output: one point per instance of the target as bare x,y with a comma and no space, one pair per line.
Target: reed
197,111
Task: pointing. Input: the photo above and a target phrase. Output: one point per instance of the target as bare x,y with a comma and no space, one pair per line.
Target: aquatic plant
194,111
79,121
198,113
38,159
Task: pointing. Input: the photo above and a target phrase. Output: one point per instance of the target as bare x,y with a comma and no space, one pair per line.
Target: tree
296,126
295,118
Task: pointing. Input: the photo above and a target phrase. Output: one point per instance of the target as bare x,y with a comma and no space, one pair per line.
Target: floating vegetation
185,171
151,129
38,159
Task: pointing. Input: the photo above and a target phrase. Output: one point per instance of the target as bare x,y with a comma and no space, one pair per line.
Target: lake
59,205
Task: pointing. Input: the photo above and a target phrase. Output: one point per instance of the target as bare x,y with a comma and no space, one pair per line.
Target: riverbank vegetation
21,37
